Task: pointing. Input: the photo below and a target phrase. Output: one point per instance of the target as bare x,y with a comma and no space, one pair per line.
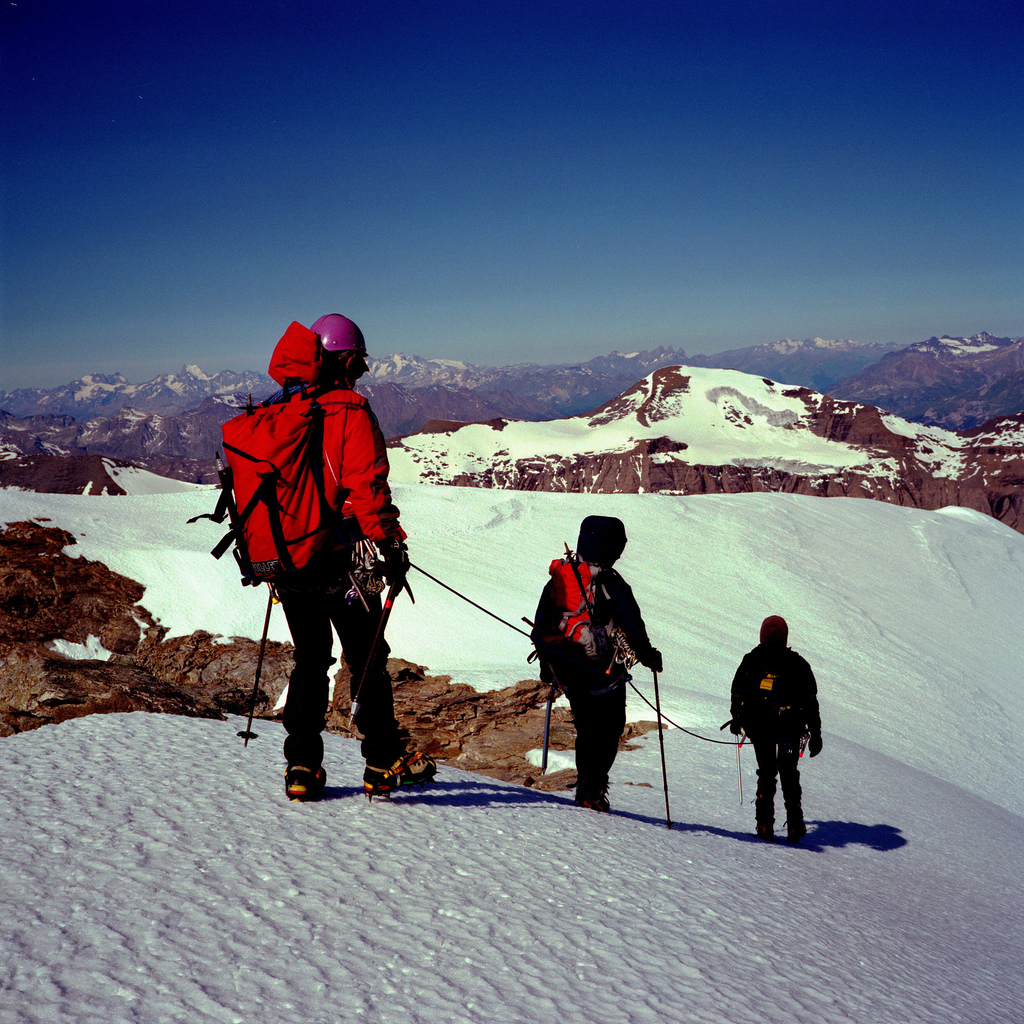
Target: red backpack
272,488
566,620
275,462
573,594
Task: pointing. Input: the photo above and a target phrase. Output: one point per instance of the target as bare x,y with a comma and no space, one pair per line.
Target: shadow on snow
821,835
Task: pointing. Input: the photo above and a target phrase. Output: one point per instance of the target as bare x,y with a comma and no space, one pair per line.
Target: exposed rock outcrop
39,687
46,595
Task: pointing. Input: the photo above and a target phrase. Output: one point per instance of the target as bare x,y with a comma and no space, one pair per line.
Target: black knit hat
601,540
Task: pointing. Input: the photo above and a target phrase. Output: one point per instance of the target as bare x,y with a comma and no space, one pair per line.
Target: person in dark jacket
775,702
590,670
327,591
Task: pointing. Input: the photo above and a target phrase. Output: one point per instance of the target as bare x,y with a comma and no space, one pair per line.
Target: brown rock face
39,687
218,671
46,595
59,474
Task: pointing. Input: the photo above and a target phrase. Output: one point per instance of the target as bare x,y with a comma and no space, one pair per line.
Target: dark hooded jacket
774,694
601,542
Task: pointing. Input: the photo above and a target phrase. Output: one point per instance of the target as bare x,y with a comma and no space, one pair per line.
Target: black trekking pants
599,719
310,615
777,758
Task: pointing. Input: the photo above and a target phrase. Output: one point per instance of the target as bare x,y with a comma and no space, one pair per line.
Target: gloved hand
653,660
814,744
735,727
395,555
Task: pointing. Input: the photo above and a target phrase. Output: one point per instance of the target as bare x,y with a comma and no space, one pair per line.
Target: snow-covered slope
154,872
134,480
886,603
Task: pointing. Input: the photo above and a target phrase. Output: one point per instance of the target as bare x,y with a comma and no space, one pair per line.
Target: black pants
311,614
777,758
599,719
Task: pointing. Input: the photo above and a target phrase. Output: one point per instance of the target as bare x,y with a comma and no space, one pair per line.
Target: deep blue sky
501,181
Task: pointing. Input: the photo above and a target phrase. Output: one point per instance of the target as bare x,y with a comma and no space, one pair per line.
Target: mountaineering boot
764,815
795,829
414,769
417,769
304,784
593,797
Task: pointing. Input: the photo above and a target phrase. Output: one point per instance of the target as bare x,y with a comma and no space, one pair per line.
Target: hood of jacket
297,356
602,540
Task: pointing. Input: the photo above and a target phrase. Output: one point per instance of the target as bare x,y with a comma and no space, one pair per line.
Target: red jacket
355,457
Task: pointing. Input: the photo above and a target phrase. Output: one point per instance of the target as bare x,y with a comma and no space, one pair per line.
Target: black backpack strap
591,610
219,514
226,509
315,457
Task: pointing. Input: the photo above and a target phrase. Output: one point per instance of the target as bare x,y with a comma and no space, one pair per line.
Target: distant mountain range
813,363
58,439
955,382
104,395
171,425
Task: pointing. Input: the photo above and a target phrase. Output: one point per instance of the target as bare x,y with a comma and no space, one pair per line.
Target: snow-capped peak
787,346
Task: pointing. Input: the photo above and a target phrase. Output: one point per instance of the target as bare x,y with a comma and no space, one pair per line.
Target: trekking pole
661,741
547,730
547,712
248,734
393,591
739,772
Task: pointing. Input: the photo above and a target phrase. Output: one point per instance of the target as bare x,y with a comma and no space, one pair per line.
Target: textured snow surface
152,870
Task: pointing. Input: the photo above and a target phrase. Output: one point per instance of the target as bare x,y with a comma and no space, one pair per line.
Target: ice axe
547,710
547,729
740,736
393,591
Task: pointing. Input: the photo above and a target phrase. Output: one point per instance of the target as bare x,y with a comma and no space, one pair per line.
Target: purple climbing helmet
339,334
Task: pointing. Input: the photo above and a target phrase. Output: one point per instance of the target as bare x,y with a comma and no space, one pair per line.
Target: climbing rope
479,607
